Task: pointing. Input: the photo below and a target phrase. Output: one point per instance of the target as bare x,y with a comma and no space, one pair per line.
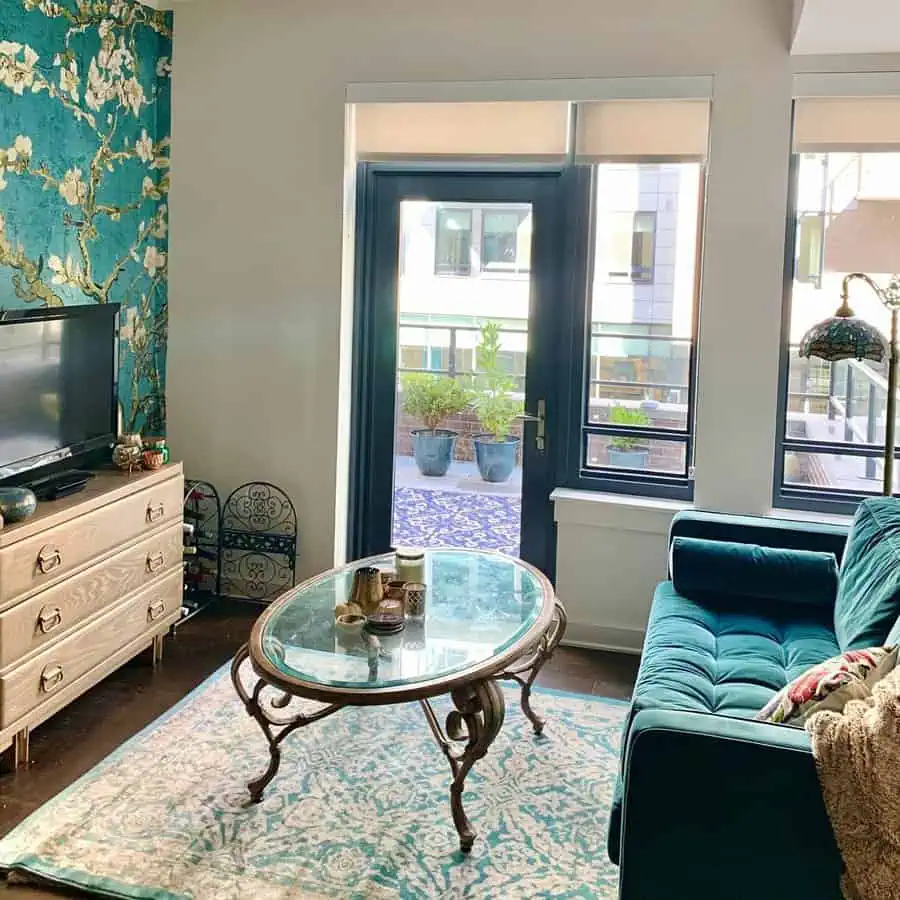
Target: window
637,419
506,241
845,218
810,239
630,246
453,242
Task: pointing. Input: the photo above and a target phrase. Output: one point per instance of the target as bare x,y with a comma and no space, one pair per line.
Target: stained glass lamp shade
844,336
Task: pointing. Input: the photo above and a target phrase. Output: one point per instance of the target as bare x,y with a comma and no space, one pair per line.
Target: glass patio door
454,344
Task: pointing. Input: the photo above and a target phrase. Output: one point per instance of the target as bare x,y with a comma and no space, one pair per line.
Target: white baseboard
601,637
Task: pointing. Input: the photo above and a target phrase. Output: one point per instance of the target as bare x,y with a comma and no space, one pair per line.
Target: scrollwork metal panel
258,541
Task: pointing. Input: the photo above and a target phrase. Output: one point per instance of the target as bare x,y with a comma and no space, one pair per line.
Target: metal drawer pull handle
49,618
156,610
155,561
155,513
49,558
51,677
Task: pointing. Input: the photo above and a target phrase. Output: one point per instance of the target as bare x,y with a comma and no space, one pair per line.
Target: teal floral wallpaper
84,173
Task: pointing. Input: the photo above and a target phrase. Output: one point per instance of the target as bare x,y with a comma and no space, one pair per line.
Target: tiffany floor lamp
844,336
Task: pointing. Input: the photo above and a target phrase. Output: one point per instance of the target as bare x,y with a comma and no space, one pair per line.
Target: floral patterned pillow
829,685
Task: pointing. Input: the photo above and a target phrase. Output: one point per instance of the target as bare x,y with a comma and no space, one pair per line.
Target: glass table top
478,605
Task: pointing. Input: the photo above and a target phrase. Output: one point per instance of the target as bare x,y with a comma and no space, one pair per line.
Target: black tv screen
58,374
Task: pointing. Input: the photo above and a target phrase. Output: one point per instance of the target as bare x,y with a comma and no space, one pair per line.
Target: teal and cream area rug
359,809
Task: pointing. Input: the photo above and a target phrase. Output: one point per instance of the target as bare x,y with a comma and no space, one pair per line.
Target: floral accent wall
84,174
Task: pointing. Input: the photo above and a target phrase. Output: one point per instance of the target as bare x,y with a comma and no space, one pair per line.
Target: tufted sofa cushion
728,659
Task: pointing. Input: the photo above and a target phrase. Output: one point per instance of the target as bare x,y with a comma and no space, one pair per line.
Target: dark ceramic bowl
16,503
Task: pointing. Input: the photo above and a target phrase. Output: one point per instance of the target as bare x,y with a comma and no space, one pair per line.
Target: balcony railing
859,398
675,392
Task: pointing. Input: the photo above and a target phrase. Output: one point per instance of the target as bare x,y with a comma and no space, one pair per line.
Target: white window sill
801,515
621,512
649,514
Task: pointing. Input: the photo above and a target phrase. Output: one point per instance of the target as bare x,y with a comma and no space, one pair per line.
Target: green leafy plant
625,415
433,398
495,404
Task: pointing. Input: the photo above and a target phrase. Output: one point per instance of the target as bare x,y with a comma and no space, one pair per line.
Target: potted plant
628,452
433,399
496,406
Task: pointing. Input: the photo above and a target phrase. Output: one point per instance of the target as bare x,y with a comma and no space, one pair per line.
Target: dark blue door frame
381,188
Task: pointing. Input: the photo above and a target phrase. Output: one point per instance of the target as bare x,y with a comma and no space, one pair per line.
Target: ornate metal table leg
476,720
275,728
535,661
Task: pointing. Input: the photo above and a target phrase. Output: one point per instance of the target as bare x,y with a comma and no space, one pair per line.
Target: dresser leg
158,643
22,748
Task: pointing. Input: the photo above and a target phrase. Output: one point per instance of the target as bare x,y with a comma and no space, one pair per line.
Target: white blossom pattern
98,133
154,260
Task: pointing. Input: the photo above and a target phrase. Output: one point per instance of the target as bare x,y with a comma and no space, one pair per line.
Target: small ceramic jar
410,565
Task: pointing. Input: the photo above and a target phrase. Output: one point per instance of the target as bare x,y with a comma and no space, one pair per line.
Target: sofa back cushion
719,569
868,598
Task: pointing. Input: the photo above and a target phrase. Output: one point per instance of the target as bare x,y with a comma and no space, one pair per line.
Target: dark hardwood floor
78,737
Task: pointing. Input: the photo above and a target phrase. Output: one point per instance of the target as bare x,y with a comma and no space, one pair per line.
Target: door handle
540,438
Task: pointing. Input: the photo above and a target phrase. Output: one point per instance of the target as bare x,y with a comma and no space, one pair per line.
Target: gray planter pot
433,450
496,459
628,459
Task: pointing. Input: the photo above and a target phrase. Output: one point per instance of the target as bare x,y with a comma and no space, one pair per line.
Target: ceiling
846,26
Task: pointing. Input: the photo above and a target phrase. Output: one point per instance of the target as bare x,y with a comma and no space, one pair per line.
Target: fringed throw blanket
858,760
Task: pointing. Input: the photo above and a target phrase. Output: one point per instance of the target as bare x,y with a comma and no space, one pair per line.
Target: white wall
256,300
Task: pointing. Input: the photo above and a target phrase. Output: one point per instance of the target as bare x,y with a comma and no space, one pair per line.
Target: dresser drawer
52,613
45,558
62,663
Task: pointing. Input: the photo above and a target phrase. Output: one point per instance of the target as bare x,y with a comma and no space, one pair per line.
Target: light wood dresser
86,583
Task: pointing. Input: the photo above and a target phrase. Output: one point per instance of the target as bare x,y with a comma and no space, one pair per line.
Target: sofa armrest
717,806
789,534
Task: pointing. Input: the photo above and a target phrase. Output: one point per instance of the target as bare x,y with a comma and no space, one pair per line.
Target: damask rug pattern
431,518
359,809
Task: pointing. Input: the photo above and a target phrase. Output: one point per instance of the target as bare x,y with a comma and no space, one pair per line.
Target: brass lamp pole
844,336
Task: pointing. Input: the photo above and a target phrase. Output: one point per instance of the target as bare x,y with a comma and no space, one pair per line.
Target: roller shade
825,124
524,130
638,129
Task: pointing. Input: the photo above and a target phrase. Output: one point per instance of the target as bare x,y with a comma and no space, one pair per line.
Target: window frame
629,277
469,268
484,269
836,501
573,472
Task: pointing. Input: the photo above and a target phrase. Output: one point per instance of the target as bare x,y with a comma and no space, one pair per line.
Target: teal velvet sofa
709,803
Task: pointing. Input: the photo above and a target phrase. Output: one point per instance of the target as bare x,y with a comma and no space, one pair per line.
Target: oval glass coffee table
488,617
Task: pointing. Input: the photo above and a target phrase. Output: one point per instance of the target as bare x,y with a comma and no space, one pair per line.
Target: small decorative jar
127,453
415,600
16,504
410,565
126,457
158,443
153,459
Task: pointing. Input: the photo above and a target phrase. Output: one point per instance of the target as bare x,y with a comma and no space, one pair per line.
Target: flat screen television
58,385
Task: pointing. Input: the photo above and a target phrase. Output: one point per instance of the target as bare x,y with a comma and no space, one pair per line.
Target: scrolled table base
477,720
526,669
465,738
275,728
